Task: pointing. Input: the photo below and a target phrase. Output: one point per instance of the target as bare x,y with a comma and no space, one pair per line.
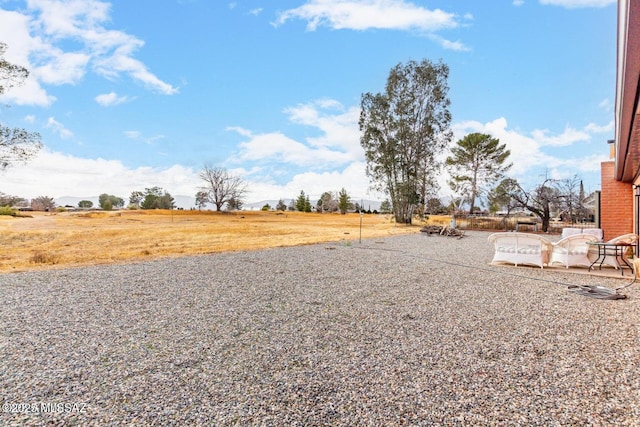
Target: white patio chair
573,251
521,248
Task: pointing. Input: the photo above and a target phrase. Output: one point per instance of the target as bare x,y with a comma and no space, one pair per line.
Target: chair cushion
529,249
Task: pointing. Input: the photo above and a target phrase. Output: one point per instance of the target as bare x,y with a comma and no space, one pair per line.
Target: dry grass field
64,239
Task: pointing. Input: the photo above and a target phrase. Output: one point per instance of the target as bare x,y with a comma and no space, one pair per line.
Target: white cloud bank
35,37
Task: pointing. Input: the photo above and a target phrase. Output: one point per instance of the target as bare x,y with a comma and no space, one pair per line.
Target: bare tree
574,200
541,201
43,203
9,200
222,187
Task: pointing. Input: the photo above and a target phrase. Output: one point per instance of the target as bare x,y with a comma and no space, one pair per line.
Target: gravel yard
407,330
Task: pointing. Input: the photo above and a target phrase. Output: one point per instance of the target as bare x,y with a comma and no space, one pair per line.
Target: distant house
620,197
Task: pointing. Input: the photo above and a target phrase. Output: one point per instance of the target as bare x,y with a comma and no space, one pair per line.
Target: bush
40,257
6,210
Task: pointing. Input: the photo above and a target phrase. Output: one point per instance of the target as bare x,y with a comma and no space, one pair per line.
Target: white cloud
339,127
370,14
138,136
110,99
61,67
518,2
257,11
337,144
122,62
36,37
241,131
279,148
448,44
568,137
58,128
594,128
574,4
606,105
30,93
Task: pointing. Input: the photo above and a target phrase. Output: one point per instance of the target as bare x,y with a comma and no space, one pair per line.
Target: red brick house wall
616,212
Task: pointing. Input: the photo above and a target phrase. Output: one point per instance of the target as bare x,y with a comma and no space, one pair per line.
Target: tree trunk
545,224
403,214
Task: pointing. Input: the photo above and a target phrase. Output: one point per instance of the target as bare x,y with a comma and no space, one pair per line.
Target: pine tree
476,161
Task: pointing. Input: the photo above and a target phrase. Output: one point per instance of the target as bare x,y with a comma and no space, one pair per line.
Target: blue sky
134,94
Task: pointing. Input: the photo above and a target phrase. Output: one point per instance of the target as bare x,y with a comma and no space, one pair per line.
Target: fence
510,223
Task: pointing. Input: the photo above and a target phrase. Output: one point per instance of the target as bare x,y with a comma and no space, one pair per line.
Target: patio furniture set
576,248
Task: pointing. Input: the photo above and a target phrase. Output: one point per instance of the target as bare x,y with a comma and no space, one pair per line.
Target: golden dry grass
53,240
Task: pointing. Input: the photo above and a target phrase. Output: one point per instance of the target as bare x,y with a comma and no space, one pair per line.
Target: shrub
40,257
6,210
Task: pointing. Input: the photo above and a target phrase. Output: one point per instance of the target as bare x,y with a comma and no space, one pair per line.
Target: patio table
615,250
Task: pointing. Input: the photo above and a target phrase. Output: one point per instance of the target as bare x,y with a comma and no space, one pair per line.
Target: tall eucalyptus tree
403,130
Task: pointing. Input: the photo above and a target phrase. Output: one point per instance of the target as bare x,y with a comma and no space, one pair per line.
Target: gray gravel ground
409,330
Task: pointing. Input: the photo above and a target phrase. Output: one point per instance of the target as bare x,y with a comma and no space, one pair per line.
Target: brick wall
616,213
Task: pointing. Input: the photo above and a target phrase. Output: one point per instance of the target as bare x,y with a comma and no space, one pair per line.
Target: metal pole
361,214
